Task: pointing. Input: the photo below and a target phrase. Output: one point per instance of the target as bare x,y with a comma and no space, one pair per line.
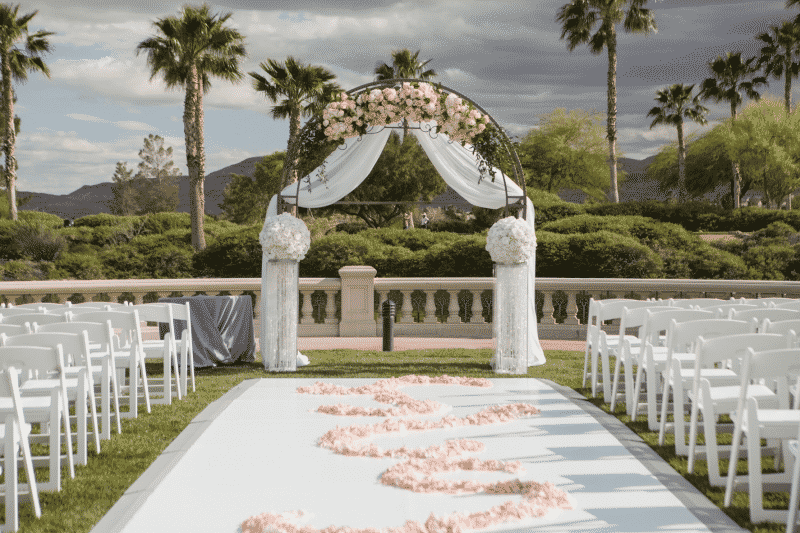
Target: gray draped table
222,329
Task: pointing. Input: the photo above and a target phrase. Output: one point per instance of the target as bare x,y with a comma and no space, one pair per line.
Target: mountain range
94,199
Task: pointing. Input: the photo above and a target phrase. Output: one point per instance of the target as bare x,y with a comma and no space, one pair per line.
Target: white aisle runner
255,451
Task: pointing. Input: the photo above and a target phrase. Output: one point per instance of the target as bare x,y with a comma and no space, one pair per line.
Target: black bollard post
389,309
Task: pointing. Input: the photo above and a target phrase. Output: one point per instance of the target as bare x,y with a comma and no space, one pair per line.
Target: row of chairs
54,355
715,357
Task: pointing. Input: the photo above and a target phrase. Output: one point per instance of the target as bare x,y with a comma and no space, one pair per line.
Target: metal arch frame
284,206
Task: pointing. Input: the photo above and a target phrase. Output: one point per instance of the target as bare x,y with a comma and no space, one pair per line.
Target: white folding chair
793,303
165,348
9,312
128,357
757,423
182,312
34,361
759,315
675,377
713,401
791,520
602,345
15,433
37,307
31,319
79,382
99,337
702,303
654,322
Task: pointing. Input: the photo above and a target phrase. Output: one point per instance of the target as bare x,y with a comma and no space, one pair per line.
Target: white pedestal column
510,322
280,352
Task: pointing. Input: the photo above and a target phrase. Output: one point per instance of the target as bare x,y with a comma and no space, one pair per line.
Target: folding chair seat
102,367
599,344
44,410
653,321
79,381
165,348
757,423
15,433
713,401
126,357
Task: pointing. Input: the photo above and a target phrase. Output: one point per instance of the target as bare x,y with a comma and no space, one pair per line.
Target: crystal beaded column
510,321
280,354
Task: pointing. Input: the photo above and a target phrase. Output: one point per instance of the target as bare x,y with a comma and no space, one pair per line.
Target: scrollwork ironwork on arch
493,147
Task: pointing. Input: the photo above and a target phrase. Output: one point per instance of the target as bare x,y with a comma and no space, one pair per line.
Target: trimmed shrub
549,207
349,227
452,226
23,271
332,252
47,220
712,263
36,242
466,257
79,266
162,222
770,261
413,239
103,219
235,255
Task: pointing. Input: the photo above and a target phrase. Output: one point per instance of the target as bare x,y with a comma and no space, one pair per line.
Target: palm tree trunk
736,180
199,187
292,154
612,112
681,162
787,85
190,130
9,139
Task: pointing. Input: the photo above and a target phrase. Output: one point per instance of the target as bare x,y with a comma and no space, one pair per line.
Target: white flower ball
284,237
511,241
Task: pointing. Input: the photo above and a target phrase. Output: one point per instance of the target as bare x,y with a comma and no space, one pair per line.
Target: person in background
424,222
408,221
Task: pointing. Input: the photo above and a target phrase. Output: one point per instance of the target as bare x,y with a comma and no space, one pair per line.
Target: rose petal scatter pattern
511,241
416,471
284,237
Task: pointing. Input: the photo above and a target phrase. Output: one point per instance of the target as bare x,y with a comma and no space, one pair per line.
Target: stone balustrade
426,307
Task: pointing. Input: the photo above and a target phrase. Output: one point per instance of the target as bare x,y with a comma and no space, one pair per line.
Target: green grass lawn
96,488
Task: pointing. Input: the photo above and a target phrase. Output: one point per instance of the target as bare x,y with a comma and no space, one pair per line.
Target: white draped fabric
458,166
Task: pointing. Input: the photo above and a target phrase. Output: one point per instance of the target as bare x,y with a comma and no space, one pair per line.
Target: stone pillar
358,301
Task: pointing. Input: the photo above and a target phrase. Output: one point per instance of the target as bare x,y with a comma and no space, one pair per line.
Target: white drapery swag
346,169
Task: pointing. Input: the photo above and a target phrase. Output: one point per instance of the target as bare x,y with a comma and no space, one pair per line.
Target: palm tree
578,19
678,104
15,64
776,56
729,79
305,90
187,51
404,65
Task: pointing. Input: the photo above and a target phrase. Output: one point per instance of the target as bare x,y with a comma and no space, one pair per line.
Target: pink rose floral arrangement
417,102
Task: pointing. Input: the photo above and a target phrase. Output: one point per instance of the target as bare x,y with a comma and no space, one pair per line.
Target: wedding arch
441,119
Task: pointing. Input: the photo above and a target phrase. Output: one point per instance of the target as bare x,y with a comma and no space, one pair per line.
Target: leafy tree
678,104
730,78
306,90
764,141
402,174
777,54
578,19
15,62
566,152
124,201
187,51
404,65
245,200
156,184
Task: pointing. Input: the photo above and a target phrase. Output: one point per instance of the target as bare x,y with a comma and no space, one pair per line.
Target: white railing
426,307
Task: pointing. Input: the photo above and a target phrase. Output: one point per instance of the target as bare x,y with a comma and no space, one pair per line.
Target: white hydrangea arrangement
285,237
511,241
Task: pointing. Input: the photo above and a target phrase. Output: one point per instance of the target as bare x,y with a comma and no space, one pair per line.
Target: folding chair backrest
154,312
31,318
72,344
127,321
659,321
14,311
781,365
96,332
733,347
762,313
683,335
13,329
781,326
687,303
35,307
636,317
613,309
32,360
183,312
791,304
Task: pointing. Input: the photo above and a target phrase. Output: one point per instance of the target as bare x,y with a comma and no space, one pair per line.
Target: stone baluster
572,309
407,317
37,298
308,308
477,308
138,298
452,309
547,309
115,296
330,308
382,297
430,307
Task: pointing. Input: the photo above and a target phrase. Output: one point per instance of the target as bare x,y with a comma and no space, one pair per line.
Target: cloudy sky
99,103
